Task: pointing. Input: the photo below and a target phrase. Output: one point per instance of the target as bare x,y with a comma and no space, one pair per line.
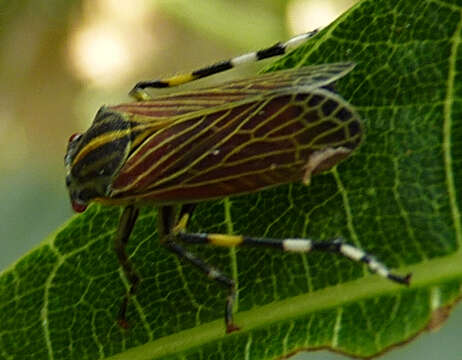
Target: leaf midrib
424,274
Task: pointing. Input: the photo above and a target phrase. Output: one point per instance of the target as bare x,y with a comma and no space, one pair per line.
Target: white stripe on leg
296,245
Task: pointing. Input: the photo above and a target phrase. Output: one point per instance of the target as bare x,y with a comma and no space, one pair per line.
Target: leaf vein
346,205
232,251
447,124
46,296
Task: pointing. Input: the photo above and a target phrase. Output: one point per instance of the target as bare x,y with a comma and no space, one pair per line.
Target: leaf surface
399,197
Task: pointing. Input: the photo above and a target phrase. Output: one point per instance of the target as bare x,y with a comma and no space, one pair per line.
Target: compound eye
74,137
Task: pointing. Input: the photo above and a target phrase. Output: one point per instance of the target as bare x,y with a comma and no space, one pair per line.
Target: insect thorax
93,159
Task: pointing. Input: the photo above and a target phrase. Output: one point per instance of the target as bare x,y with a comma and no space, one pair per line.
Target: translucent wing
179,103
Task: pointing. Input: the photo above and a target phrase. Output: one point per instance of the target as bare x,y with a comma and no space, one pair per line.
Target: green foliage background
398,197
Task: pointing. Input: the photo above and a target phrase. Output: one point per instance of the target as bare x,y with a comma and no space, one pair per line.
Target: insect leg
166,212
126,224
187,209
298,245
213,274
274,50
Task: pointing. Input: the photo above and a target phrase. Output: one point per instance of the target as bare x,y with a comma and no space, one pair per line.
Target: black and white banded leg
297,245
272,51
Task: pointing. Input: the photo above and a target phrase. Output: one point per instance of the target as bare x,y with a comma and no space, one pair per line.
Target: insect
239,137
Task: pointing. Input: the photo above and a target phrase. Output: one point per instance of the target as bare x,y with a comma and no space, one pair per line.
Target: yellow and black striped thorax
94,158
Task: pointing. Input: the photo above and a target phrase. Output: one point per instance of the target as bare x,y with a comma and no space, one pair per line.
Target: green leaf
398,197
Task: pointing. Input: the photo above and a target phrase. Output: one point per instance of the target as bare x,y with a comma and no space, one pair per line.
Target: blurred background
61,60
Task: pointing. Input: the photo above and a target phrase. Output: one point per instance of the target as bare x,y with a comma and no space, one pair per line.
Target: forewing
262,141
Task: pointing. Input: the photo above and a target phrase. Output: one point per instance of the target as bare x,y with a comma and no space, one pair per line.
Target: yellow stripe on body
117,134
99,141
225,240
143,135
